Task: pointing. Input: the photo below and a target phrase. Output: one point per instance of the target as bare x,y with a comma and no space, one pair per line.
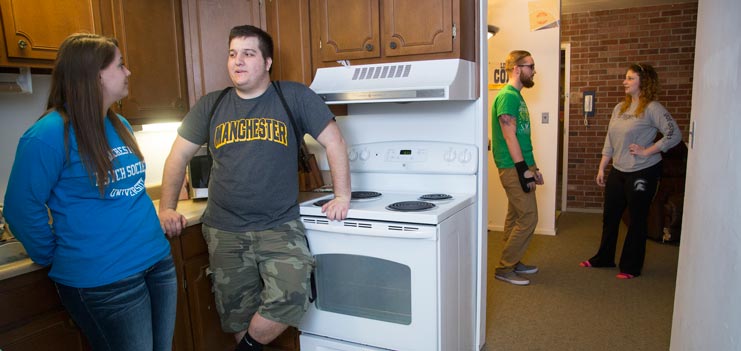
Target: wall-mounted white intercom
588,106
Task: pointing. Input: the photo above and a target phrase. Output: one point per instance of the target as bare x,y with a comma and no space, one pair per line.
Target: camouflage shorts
267,272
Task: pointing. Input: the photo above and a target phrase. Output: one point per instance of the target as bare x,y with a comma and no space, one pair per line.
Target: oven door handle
376,229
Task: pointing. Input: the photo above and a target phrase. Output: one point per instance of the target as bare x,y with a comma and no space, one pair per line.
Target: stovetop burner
364,195
410,206
321,203
434,197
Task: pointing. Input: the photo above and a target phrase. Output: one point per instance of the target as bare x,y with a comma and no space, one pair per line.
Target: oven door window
363,286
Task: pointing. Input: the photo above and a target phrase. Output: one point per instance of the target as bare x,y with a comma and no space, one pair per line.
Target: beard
527,81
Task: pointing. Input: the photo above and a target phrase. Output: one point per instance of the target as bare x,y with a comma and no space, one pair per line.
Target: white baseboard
499,228
584,210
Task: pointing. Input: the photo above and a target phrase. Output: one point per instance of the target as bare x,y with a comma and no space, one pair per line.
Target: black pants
636,191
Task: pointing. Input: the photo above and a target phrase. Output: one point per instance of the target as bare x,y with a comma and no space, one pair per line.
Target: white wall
707,308
19,111
514,34
155,146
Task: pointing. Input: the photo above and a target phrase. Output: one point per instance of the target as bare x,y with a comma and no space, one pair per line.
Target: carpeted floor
567,307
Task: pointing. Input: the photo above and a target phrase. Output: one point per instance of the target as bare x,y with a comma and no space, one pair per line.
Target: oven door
376,283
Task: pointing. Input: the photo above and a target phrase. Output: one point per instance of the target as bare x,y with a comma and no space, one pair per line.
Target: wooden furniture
32,30
33,317
287,22
197,325
150,36
664,222
376,31
207,26
149,33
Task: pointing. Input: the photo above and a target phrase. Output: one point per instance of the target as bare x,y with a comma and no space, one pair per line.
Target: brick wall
603,43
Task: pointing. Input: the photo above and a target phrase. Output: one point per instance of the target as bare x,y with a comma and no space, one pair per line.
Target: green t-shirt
510,102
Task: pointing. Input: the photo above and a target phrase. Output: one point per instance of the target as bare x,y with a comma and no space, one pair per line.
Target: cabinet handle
22,44
369,47
392,45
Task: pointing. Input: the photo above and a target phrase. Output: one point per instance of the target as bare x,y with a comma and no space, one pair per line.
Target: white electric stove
399,272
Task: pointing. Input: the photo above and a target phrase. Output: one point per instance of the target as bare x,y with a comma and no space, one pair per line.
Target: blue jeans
133,314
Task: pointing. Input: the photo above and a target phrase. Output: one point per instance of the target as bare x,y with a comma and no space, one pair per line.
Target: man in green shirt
513,154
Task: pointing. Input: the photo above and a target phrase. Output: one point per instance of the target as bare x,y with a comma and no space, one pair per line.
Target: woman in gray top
636,168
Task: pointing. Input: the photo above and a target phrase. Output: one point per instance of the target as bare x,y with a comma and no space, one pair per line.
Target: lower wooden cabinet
198,326
33,317
206,330
52,332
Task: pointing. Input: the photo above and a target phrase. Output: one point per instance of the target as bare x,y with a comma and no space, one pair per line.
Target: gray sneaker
512,278
521,268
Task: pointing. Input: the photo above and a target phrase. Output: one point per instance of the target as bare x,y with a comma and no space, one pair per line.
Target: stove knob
450,155
464,156
352,155
364,155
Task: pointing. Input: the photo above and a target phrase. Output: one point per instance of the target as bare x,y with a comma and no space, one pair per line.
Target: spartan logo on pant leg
639,185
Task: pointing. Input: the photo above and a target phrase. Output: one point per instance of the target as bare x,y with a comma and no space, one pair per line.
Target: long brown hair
649,85
76,94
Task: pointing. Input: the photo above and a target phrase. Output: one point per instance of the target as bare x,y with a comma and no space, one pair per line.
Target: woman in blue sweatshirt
76,200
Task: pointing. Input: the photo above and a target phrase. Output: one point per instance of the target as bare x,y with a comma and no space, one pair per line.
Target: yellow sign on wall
499,78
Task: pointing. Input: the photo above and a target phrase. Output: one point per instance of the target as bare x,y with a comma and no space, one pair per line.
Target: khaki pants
519,225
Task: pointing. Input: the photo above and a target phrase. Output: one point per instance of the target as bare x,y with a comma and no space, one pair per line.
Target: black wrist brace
521,169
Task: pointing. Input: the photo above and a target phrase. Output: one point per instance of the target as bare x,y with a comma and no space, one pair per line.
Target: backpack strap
303,153
211,117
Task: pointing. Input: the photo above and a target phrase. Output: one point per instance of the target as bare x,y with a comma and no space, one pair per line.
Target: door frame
566,47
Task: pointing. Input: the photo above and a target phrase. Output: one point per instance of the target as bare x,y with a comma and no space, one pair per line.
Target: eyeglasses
532,66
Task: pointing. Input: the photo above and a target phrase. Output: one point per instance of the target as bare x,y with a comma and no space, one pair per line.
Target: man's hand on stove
336,209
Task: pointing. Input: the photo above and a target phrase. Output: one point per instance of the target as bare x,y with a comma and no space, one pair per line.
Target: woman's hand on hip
637,150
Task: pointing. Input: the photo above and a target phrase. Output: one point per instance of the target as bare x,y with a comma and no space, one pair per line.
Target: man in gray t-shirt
257,247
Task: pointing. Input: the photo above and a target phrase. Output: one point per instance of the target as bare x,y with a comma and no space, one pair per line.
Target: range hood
432,80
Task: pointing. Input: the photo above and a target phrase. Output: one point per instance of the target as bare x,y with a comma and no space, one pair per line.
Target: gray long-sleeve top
626,129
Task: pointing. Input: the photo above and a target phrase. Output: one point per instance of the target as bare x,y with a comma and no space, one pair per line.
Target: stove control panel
430,157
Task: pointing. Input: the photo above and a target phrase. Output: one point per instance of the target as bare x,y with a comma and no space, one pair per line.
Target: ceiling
574,6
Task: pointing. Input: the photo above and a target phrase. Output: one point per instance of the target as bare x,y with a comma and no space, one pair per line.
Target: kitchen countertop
17,268
191,209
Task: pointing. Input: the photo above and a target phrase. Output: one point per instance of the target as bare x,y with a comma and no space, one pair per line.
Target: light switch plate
545,117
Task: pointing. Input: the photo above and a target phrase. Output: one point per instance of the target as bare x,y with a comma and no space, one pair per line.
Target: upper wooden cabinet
150,36
346,30
287,22
208,23
373,31
32,30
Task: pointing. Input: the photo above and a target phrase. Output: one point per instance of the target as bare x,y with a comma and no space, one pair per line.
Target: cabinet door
33,29
208,23
412,27
345,30
182,339
50,333
150,35
288,23
206,327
